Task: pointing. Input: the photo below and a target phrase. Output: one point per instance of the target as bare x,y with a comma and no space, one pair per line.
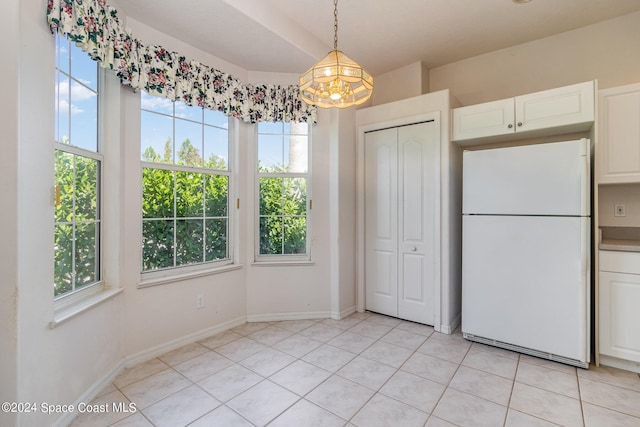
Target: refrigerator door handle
585,184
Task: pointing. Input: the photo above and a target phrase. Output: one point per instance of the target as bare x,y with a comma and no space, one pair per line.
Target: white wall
402,83
10,76
607,51
610,195
54,365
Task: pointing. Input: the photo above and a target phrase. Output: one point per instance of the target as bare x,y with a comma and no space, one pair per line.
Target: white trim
283,263
276,317
161,349
90,394
448,329
344,313
614,362
170,275
79,306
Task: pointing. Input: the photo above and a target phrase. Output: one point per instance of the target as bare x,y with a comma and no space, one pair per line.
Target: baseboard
275,317
614,362
344,313
90,394
451,327
161,349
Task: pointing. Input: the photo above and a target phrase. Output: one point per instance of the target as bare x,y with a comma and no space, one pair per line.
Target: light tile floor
367,370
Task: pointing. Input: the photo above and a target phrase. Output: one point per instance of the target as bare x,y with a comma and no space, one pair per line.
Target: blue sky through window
76,97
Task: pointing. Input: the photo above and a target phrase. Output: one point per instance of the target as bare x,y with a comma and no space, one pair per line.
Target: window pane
216,148
270,196
156,138
216,195
216,239
269,127
156,104
62,108
295,154
62,54
86,262
295,196
83,67
157,193
270,153
216,118
63,259
188,143
86,188
299,128
295,235
189,194
188,112
189,241
64,181
157,244
84,116
271,235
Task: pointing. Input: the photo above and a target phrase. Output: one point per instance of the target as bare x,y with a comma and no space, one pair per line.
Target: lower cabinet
619,300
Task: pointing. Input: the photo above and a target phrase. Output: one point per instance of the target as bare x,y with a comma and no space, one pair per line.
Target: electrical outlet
200,301
620,210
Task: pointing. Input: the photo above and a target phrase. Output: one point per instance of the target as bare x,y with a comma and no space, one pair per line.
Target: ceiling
289,36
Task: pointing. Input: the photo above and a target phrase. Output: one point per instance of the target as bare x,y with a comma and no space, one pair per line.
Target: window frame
283,259
70,298
179,272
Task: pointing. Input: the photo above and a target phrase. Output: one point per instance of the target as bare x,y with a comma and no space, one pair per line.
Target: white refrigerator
526,249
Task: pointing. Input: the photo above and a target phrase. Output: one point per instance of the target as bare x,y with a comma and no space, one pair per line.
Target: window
185,185
283,182
78,163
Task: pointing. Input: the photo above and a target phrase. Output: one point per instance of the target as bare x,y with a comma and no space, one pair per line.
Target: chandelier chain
335,24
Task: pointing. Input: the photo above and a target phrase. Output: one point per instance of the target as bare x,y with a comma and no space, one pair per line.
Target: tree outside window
185,185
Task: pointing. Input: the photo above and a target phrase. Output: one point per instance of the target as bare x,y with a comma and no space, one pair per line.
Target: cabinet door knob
510,125
519,123
413,249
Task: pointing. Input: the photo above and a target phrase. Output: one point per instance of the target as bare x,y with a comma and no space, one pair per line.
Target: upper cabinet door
482,120
550,112
618,153
568,105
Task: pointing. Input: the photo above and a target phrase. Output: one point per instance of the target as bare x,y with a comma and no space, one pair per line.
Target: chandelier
337,80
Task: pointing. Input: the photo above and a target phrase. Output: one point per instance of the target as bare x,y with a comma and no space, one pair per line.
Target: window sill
282,263
69,311
162,280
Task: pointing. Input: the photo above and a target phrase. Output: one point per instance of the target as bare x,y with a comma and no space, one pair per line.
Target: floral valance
95,27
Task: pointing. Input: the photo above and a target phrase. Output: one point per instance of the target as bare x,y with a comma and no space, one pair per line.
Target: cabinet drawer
621,262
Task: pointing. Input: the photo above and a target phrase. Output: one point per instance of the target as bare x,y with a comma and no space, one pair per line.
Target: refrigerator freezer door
541,179
525,282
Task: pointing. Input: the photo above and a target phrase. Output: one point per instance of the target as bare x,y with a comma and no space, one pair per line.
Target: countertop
625,239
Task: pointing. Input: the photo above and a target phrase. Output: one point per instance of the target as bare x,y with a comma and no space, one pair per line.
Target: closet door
418,161
381,221
401,178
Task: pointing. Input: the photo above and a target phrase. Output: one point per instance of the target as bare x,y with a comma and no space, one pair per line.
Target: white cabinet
401,231
618,154
619,301
561,110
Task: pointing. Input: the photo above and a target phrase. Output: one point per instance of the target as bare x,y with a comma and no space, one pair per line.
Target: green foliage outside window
185,213
283,220
77,225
